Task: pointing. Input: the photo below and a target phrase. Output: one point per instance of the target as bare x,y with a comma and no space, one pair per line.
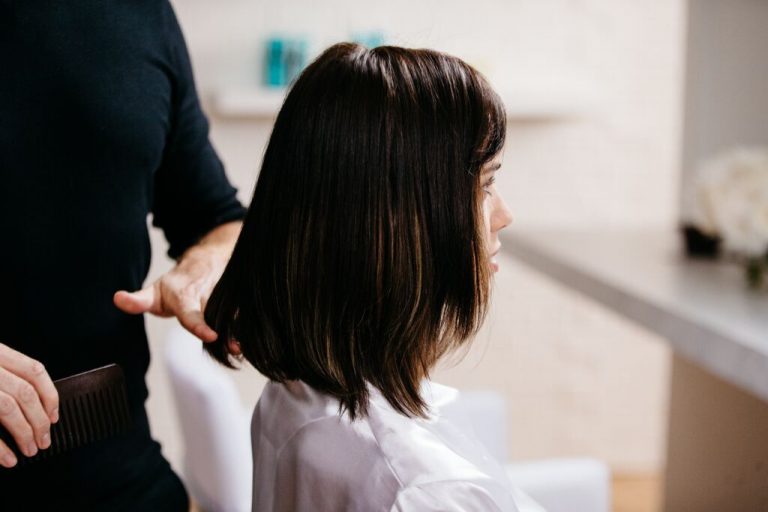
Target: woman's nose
502,216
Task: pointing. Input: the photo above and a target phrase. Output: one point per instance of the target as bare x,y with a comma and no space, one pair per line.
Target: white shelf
247,103
264,104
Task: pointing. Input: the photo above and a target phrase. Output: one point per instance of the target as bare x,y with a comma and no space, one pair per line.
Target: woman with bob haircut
366,255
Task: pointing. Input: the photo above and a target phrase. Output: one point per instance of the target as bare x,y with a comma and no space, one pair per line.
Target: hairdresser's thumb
142,301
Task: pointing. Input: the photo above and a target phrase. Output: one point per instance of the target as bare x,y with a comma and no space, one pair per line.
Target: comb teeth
92,406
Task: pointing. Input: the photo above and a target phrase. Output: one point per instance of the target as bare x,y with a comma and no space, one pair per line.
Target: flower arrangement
730,205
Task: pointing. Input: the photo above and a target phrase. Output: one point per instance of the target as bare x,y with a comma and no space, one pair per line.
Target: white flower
730,199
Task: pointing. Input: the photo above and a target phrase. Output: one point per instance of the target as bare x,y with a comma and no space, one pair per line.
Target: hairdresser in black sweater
100,126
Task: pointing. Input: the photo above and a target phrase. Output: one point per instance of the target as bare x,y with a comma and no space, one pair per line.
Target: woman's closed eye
488,184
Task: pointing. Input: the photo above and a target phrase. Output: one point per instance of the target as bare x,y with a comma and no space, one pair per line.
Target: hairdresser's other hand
29,403
184,291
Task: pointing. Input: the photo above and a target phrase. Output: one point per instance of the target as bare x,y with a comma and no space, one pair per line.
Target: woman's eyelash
488,183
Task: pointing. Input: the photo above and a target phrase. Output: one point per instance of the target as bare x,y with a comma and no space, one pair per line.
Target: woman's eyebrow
494,167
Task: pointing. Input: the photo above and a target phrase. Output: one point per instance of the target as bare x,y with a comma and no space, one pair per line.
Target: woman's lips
493,261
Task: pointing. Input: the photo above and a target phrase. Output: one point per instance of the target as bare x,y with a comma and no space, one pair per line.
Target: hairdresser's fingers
192,319
33,372
7,457
14,422
234,348
28,400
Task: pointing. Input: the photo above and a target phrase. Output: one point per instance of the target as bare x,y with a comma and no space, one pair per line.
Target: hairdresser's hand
184,291
29,403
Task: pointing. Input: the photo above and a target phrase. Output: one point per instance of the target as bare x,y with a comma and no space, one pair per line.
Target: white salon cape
308,458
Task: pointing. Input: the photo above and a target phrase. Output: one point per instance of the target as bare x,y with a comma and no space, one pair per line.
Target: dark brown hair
362,257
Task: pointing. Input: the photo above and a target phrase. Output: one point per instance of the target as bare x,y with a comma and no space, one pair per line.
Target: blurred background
596,96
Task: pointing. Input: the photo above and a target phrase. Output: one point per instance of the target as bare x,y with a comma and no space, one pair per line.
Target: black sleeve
192,194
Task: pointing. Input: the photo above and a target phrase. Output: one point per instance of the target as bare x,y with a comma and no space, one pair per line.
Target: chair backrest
482,412
215,426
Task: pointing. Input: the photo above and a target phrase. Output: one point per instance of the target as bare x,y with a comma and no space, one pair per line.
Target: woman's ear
233,347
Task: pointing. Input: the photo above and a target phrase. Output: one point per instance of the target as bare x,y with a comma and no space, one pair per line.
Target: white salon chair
217,466
558,485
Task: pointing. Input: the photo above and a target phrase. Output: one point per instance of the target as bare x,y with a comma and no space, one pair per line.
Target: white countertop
703,308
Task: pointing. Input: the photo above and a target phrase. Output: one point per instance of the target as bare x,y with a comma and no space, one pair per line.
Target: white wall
726,104
578,379
617,165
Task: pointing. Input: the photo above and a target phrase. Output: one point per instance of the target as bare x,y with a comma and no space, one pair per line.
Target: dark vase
699,244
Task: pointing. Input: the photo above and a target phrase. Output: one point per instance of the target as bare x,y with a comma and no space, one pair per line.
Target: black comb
93,405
